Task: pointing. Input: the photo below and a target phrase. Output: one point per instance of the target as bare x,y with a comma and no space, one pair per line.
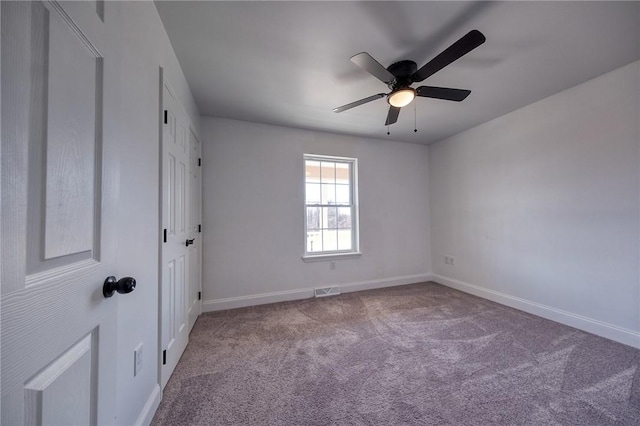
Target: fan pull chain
415,120
388,132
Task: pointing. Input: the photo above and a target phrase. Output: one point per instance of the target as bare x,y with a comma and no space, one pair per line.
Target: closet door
176,234
195,229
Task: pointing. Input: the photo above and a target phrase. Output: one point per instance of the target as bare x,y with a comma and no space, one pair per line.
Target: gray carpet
420,354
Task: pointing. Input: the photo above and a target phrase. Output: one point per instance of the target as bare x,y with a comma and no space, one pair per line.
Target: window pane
312,171
330,240
344,217
342,194
330,217
313,193
344,239
342,173
314,241
313,218
328,172
328,193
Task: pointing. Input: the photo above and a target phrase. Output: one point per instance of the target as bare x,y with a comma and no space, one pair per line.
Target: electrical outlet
332,265
449,260
137,360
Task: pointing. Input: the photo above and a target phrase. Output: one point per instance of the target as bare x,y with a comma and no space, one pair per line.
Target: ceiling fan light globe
401,97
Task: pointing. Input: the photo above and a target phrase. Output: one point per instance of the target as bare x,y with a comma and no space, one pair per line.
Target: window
331,207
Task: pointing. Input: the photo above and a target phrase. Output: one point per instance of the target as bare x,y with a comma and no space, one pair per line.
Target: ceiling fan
400,75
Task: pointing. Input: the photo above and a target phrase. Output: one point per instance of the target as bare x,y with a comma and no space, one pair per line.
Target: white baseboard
305,293
255,299
383,283
600,328
149,409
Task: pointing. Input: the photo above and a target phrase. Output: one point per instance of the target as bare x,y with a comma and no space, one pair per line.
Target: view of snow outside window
329,206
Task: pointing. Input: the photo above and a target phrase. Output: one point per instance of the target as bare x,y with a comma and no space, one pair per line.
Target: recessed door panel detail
176,299
64,392
65,141
172,309
171,123
71,110
170,193
180,196
182,137
179,295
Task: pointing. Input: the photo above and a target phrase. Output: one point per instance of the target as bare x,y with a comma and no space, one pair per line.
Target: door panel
58,331
175,279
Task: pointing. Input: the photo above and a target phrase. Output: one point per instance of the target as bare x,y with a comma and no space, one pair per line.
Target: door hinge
199,162
199,295
164,357
164,237
166,116
199,228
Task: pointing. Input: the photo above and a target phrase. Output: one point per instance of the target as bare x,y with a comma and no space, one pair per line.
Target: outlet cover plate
137,360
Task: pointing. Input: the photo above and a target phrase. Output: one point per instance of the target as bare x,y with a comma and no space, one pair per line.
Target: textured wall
253,213
541,206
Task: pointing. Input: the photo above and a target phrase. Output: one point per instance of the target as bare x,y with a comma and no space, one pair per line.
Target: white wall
540,207
253,213
143,47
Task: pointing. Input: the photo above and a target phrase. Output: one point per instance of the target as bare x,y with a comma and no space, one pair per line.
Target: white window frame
355,234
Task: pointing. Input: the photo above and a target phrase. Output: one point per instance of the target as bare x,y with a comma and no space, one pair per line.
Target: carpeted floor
420,354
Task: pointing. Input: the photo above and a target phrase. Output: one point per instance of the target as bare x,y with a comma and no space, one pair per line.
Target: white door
195,229
58,212
174,249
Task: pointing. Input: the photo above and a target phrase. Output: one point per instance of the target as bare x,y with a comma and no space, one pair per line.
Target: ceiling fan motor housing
403,71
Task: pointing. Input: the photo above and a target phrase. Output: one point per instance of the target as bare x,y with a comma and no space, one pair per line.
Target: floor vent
327,291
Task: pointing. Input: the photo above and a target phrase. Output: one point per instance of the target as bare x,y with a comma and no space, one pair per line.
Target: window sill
333,256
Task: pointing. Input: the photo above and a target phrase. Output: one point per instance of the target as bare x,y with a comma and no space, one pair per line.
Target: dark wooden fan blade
443,93
466,44
360,102
392,117
373,67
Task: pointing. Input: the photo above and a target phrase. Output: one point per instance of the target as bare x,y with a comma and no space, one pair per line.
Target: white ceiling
287,63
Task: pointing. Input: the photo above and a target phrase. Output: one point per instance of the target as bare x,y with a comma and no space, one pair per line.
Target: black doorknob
123,286
189,242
